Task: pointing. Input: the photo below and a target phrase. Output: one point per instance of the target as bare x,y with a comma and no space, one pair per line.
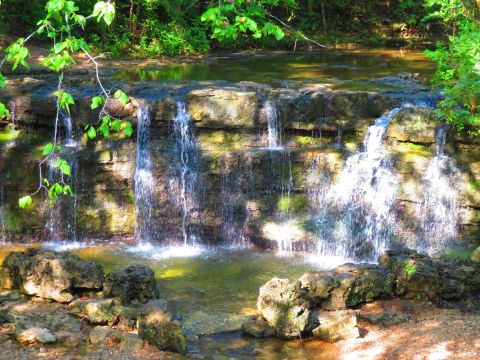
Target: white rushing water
186,179
356,217
274,126
68,127
144,182
438,210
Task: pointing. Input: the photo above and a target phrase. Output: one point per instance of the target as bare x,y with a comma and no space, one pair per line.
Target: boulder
258,328
157,326
458,278
135,284
50,274
285,307
416,276
97,311
99,333
336,326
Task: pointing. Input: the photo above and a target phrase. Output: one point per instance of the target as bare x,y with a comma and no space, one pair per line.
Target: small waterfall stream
274,126
144,183
186,171
68,127
438,210
356,218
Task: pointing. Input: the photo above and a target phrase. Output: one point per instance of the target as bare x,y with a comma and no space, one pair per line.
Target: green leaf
2,81
47,149
97,101
67,190
63,166
128,130
116,125
4,112
105,129
46,182
120,95
92,133
104,10
25,202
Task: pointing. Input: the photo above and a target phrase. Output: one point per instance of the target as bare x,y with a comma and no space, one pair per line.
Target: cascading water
274,126
144,183
439,211
185,181
67,124
356,218
61,223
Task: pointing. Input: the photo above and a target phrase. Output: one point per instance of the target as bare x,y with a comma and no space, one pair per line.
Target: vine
61,17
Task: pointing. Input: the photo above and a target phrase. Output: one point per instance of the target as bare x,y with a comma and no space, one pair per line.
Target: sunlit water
353,70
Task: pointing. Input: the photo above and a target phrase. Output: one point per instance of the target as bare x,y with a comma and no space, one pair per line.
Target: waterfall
185,182
144,183
274,126
356,218
67,124
61,225
438,210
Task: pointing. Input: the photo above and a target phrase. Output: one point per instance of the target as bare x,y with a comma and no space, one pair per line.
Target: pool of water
212,291
353,70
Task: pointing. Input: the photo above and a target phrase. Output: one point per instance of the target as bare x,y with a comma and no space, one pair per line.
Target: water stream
144,182
356,217
438,210
185,182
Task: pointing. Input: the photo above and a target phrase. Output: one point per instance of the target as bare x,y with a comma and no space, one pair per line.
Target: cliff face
245,185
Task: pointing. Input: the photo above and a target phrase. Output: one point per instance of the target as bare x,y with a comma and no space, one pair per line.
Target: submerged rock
336,326
284,307
258,328
135,284
157,326
50,274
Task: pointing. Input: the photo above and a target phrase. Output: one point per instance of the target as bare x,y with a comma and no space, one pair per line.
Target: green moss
292,204
8,135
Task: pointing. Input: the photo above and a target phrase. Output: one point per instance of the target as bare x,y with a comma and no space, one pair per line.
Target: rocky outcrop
157,326
413,124
135,284
50,275
313,304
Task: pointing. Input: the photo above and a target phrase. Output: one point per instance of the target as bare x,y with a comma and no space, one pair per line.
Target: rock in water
336,326
257,328
50,274
281,304
157,326
135,284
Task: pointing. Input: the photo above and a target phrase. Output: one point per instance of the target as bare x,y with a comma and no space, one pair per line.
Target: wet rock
258,328
157,326
34,334
284,307
335,326
386,319
414,124
97,311
99,333
458,278
130,343
416,276
135,284
50,274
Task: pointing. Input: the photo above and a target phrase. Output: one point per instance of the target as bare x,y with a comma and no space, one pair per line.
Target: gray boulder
135,284
284,307
50,274
157,326
336,325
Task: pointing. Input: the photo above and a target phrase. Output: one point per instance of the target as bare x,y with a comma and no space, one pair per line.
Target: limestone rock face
336,326
135,284
415,124
284,307
223,108
50,274
157,326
